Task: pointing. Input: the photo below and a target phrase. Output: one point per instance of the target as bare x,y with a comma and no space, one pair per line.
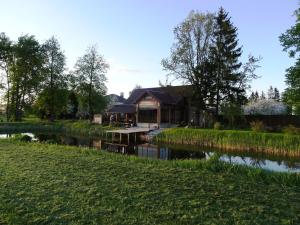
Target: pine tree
271,93
276,95
226,54
256,96
263,96
252,97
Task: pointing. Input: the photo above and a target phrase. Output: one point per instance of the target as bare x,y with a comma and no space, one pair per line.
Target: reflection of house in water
167,153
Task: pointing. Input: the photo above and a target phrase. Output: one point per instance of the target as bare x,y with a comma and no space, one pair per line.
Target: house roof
123,108
166,95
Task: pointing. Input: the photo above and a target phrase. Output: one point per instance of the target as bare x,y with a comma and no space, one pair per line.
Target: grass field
49,184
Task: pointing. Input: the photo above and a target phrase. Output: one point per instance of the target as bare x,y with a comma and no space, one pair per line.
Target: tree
206,56
54,83
262,96
226,54
26,74
291,43
189,60
6,57
276,94
271,94
90,70
252,97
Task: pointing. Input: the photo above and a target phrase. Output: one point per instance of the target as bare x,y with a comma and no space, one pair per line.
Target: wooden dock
129,131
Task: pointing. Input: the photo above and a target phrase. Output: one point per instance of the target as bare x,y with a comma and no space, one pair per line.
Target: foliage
291,129
59,99
257,126
226,54
6,59
50,184
90,70
52,101
26,74
217,126
206,56
265,107
189,59
233,140
231,112
290,42
274,94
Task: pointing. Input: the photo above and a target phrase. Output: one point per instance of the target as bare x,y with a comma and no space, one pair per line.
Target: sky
135,35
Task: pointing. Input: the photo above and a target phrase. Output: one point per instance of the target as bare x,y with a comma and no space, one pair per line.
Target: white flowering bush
265,107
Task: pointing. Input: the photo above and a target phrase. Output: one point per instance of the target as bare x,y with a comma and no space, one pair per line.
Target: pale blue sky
134,35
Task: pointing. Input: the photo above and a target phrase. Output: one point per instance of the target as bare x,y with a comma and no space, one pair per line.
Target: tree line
207,55
35,80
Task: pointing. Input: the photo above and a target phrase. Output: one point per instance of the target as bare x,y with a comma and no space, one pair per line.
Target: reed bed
230,140
20,127
78,128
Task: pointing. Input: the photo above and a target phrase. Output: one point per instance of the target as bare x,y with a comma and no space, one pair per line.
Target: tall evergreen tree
226,53
271,93
276,95
262,96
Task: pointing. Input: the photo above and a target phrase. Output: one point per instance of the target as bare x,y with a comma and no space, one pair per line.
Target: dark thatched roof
168,95
123,108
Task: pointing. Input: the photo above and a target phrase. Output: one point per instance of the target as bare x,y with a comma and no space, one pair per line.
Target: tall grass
78,128
19,127
270,143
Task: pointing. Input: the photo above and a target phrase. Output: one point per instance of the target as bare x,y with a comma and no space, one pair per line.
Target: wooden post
169,115
137,114
120,138
158,114
134,137
128,138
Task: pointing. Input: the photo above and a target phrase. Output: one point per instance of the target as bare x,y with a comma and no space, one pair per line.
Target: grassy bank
49,184
270,143
82,128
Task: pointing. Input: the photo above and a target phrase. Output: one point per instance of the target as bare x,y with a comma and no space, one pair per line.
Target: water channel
171,152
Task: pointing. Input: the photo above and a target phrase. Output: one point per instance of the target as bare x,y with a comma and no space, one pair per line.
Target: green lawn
49,184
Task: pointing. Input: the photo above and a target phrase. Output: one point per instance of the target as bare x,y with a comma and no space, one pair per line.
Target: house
157,107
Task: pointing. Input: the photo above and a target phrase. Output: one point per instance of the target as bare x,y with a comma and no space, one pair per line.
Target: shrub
217,126
257,126
291,129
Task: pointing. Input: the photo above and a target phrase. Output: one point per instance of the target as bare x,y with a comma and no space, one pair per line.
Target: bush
217,126
291,129
257,126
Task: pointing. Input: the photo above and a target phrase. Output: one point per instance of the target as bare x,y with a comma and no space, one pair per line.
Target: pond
171,152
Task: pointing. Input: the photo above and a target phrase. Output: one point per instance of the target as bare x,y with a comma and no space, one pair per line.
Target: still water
172,152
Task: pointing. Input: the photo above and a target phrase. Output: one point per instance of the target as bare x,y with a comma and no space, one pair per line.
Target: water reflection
172,152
